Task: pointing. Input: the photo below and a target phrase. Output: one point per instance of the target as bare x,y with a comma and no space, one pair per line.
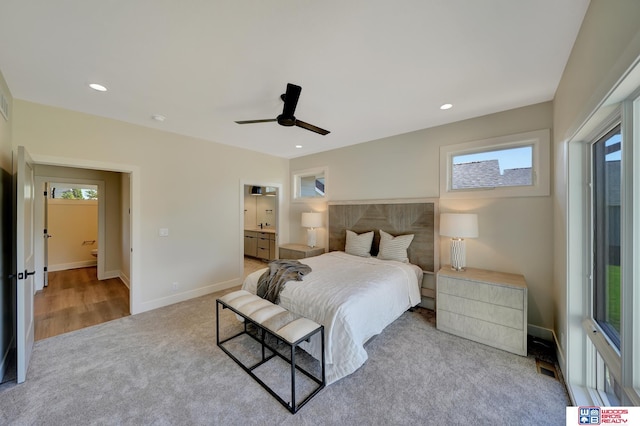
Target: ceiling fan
287,118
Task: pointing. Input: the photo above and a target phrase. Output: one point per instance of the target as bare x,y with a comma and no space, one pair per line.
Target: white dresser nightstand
485,306
299,251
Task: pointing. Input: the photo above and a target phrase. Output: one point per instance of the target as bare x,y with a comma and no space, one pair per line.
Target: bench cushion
290,327
297,329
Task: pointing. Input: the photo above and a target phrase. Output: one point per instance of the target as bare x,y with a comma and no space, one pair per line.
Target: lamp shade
460,225
311,220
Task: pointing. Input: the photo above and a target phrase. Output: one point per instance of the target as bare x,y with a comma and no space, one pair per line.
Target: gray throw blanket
280,271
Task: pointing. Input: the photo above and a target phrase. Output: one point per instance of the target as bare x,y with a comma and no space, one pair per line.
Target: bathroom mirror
310,184
260,206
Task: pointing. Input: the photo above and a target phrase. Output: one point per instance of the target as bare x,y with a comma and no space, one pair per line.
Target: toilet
94,252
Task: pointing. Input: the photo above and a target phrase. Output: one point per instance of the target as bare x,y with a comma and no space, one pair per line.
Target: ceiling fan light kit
287,118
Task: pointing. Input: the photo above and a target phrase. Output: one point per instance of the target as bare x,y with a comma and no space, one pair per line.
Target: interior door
46,235
25,202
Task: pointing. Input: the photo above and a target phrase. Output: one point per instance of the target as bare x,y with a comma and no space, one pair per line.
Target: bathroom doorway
71,226
260,209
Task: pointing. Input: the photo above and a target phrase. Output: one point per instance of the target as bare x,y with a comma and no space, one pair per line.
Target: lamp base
458,257
311,237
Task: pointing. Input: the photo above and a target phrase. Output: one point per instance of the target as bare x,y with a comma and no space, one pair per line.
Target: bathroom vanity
260,243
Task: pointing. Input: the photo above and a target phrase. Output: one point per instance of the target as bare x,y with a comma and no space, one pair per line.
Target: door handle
48,235
25,274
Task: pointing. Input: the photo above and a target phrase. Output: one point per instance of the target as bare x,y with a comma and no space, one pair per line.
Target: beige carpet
163,367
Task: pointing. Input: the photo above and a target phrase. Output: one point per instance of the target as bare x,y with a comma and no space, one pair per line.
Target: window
508,166
310,184
602,341
606,197
69,191
490,169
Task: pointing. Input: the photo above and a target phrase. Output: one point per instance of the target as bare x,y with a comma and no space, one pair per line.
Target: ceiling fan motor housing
286,121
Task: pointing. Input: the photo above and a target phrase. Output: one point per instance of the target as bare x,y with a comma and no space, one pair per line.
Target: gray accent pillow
394,248
359,245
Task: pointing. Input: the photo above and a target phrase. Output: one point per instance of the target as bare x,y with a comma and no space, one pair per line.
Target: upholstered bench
284,326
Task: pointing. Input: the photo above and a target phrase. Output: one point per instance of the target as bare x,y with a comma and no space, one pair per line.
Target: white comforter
355,298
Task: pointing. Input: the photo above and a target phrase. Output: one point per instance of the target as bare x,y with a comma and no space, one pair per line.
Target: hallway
75,299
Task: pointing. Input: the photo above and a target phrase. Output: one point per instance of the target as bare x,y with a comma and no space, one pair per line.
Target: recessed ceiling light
446,106
158,117
298,146
98,87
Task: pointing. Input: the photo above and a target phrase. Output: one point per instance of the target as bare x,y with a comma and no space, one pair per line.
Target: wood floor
75,299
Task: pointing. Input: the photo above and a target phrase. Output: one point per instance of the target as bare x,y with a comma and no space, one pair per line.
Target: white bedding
354,297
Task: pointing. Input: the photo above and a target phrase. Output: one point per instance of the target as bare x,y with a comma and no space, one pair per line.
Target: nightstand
299,251
485,306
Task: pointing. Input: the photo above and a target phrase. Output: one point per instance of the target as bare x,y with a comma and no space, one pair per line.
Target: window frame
598,307
296,184
539,140
590,350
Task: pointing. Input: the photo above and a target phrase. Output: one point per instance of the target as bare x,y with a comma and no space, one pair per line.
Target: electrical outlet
174,286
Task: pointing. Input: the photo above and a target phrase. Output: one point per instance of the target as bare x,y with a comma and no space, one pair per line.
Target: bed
356,297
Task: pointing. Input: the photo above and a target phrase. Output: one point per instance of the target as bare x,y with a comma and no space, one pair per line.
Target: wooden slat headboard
417,217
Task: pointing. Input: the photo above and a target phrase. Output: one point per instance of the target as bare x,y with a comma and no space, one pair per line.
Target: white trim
541,165
187,295
111,274
124,278
541,333
71,265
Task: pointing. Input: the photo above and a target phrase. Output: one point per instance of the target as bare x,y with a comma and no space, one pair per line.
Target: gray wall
190,186
7,294
607,45
516,234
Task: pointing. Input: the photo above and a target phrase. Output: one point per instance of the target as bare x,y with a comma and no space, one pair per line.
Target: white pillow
359,245
394,248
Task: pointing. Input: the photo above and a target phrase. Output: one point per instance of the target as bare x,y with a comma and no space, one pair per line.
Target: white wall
187,185
73,225
516,234
607,45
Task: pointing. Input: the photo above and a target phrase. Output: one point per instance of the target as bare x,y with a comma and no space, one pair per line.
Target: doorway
260,212
81,268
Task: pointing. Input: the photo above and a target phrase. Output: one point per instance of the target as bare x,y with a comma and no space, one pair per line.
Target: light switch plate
163,232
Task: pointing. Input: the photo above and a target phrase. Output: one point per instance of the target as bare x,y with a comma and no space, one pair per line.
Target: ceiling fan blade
312,127
291,100
266,120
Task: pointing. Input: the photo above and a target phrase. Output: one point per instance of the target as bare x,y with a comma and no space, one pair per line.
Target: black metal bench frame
292,406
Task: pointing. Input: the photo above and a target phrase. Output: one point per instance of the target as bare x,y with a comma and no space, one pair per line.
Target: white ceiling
368,69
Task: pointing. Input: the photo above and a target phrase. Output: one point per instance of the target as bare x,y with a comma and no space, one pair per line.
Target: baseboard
71,265
541,333
111,274
181,297
125,279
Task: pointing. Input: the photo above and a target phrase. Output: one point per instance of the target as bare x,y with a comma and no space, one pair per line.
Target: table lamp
311,221
458,226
